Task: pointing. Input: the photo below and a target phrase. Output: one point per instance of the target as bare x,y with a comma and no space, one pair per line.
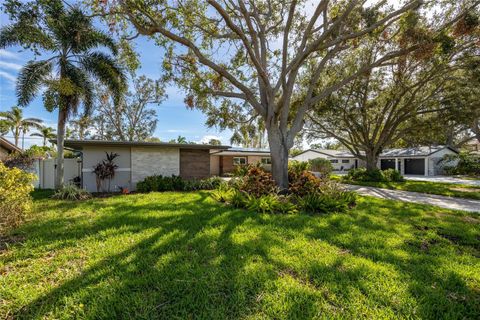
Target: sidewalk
415,197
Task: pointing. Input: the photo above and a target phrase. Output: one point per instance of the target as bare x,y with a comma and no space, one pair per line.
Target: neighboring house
341,160
409,161
223,162
7,148
473,146
138,160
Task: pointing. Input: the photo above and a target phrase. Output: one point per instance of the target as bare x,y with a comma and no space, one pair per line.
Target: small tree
105,170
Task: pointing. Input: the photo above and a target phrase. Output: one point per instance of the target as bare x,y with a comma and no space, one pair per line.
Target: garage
415,166
386,164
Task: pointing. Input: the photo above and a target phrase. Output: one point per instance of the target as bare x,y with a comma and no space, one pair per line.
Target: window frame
335,161
239,164
345,161
269,160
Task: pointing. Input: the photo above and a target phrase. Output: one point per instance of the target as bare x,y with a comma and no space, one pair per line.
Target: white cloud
8,76
8,54
10,65
176,131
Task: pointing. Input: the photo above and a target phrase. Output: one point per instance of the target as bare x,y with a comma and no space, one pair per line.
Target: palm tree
67,39
14,120
45,133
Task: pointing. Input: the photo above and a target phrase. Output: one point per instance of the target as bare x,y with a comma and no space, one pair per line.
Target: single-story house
223,162
409,161
7,148
138,160
341,160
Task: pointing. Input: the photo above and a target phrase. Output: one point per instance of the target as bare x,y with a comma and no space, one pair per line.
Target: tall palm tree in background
17,124
46,133
66,40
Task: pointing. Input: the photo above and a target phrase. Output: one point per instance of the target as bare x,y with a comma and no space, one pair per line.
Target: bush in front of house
321,165
71,192
15,199
298,166
377,175
176,183
257,192
461,164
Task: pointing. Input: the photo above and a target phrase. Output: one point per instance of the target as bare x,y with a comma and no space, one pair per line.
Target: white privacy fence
45,171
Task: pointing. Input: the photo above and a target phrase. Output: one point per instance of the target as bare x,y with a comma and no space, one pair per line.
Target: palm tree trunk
44,141
62,119
23,140
16,135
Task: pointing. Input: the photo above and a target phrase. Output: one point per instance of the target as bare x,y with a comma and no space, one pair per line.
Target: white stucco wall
95,154
433,167
154,161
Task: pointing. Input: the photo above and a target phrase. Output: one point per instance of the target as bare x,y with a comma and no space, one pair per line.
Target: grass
182,256
439,188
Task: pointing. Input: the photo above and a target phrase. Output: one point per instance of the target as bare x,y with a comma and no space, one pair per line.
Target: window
345,161
239,161
333,161
267,160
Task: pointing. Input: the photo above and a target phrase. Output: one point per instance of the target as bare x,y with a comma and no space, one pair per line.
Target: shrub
377,175
105,170
71,192
330,198
392,175
323,166
302,183
298,166
223,193
257,182
15,199
461,164
271,203
23,160
176,183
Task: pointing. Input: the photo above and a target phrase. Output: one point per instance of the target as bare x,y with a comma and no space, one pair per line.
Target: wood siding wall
194,164
226,164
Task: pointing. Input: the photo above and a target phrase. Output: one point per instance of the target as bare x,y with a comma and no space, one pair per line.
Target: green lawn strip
444,189
182,255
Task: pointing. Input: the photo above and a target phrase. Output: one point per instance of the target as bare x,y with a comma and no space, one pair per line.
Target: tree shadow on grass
199,259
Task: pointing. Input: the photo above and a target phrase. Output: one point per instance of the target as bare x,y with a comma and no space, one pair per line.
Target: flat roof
80,144
233,151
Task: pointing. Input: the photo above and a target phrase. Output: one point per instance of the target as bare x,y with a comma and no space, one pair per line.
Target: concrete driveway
444,179
415,197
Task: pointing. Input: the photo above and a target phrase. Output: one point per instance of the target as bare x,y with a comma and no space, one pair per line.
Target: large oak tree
243,59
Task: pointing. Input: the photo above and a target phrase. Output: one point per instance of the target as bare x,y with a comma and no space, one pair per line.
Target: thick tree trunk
279,155
62,119
371,159
17,136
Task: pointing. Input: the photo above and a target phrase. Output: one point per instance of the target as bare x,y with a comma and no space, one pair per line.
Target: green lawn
184,256
443,189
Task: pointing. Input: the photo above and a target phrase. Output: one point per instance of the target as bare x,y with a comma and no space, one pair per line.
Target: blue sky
173,117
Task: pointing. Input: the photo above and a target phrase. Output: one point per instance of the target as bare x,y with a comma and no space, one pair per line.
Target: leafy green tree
46,133
214,142
238,60
66,40
384,105
17,124
179,140
80,126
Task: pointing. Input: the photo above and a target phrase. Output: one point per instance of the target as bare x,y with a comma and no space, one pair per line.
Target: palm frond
30,79
106,70
95,39
84,86
24,34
